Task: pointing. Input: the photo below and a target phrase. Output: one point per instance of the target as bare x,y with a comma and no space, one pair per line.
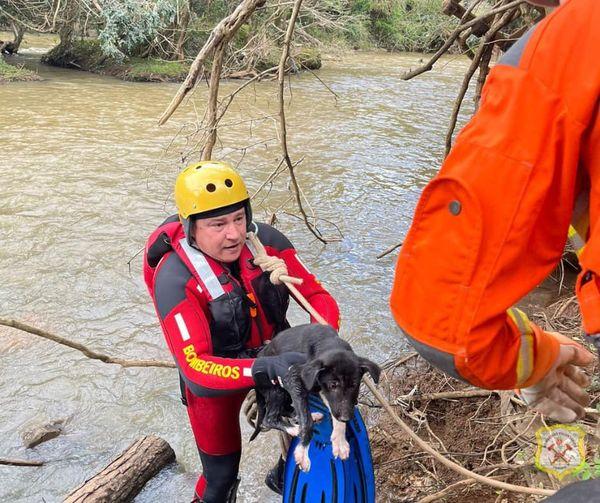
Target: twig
447,490
335,95
80,347
20,462
281,123
484,69
400,361
446,395
489,37
390,250
442,50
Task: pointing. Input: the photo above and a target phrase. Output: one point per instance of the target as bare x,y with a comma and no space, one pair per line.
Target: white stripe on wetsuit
202,267
185,334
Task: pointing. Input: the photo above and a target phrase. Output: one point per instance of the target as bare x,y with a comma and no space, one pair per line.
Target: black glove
272,369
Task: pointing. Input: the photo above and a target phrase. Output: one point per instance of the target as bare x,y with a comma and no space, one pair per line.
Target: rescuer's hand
272,369
275,265
561,393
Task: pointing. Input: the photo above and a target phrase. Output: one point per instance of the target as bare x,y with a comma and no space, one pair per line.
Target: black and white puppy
332,369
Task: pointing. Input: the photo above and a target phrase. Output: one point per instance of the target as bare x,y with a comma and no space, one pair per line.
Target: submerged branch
85,350
20,462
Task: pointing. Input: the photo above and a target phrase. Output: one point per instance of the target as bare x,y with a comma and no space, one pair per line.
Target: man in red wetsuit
217,308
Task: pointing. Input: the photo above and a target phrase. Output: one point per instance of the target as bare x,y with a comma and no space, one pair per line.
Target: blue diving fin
331,480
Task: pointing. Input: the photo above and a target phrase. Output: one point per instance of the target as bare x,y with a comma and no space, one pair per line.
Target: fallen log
125,477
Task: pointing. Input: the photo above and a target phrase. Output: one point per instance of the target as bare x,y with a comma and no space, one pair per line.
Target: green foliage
83,54
590,470
156,70
409,25
130,25
10,73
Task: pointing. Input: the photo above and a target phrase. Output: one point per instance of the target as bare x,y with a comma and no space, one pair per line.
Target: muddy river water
85,176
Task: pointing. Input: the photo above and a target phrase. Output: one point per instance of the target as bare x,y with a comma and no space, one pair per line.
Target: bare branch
442,50
222,33
282,124
80,347
215,78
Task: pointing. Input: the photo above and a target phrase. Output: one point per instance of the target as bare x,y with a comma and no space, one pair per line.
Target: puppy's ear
372,368
310,373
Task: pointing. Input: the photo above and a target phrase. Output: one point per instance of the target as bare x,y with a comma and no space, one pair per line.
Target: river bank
87,55
13,73
487,432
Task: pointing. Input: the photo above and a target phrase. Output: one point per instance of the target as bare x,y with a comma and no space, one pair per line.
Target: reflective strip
576,240
525,361
202,267
580,221
251,247
185,334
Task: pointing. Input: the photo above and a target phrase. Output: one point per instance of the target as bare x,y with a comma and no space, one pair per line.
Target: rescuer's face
222,237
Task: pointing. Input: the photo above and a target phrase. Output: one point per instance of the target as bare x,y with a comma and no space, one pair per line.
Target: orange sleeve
493,222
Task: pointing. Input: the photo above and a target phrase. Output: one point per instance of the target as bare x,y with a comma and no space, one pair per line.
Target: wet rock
42,432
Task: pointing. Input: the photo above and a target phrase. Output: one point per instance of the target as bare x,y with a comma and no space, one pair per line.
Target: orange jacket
493,223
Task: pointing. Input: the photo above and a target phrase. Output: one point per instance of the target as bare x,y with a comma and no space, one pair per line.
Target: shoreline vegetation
13,73
131,42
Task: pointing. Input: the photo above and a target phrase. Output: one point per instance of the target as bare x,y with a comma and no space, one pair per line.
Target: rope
386,405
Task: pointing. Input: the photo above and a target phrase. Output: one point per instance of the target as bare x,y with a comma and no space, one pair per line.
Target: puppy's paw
294,431
340,447
317,417
301,457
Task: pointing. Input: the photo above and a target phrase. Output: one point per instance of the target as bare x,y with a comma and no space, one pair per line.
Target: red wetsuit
215,317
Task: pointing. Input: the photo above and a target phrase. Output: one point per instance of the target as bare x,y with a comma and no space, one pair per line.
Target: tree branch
80,347
221,34
282,124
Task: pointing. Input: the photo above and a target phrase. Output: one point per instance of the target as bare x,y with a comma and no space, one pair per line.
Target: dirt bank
12,73
491,434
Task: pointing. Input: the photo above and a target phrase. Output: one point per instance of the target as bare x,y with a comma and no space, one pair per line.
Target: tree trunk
183,26
19,31
125,477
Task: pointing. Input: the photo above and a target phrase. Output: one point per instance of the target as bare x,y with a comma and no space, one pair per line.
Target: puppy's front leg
293,384
339,444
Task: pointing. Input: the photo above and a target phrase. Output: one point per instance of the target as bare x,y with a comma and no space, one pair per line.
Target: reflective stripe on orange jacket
494,221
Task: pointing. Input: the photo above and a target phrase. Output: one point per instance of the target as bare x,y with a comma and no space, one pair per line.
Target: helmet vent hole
211,187
228,182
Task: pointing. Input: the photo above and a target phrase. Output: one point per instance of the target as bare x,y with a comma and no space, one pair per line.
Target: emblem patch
560,449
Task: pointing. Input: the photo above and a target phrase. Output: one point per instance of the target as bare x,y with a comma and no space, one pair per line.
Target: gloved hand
275,265
272,369
561,394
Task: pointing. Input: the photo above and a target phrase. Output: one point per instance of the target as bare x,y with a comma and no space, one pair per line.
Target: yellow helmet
206,186
208,189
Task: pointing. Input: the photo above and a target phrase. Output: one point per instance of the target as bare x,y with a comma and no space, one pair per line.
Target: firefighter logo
560,449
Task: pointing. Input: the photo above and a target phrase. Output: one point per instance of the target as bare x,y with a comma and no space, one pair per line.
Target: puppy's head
337,375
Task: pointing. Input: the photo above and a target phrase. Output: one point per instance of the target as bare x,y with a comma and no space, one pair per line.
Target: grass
11,73
156,69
